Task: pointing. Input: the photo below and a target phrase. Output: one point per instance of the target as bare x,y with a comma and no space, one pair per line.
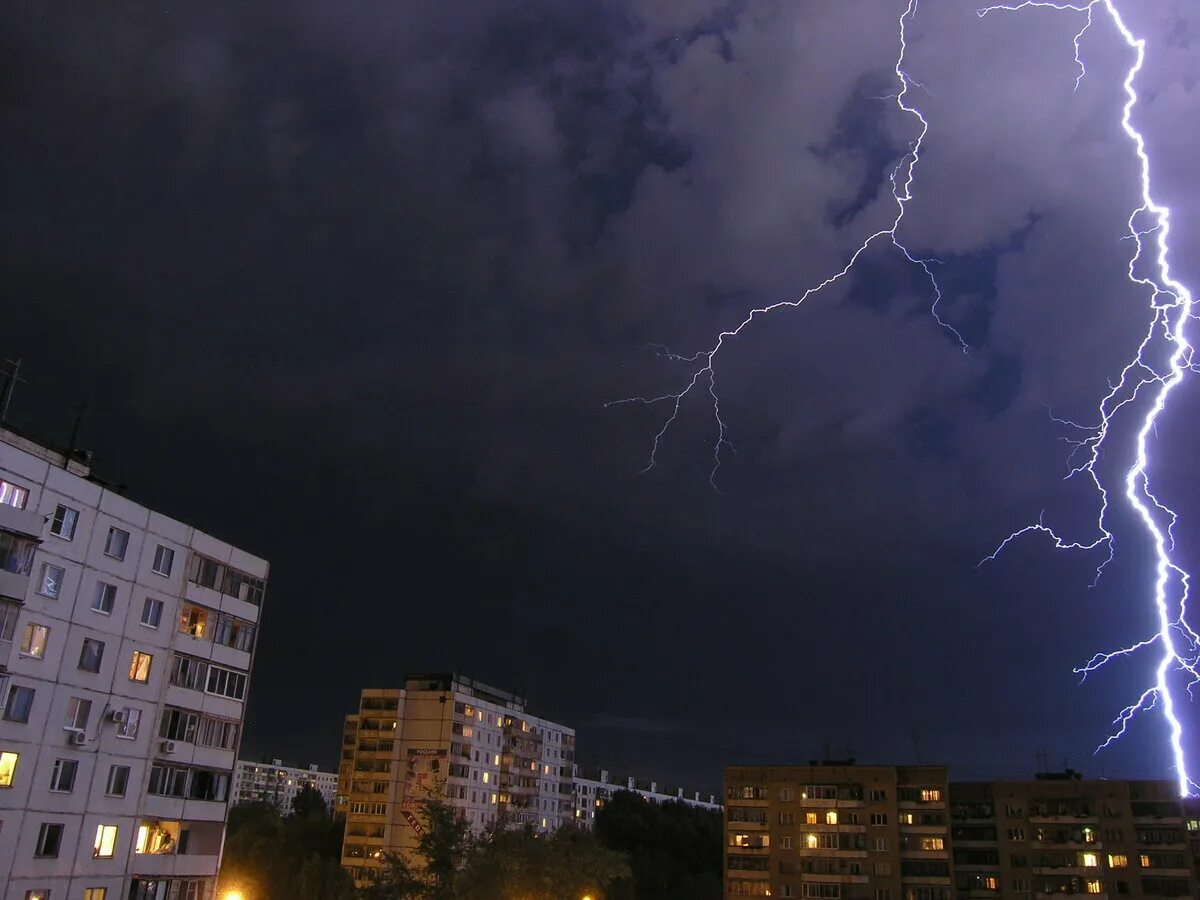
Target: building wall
275,784
591,794
838,832
127,619
448,736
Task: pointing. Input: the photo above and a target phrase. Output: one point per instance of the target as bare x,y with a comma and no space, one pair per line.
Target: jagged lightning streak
901,181
1171,305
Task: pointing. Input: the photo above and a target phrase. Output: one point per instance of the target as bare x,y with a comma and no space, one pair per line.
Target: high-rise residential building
593,788
126,643
447,736
837,831
1060,835
277,785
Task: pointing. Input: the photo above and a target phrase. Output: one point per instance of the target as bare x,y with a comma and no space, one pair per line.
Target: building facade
843,832
277,785
126,644
593,789
451,737
838,831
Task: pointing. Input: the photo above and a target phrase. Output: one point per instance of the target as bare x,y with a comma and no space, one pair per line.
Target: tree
519,864
309,802
674,850
432,874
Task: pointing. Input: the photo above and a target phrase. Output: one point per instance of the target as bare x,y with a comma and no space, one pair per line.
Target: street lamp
234,895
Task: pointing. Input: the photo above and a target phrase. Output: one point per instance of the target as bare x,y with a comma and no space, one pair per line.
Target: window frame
134,667
112,773
65,770
122,537
162,551
42,580
158,606
99,653
104,591
60,519
25,691
10,490
44,831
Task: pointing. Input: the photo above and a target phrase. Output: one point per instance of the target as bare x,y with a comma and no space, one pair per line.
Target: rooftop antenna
80,411
12,376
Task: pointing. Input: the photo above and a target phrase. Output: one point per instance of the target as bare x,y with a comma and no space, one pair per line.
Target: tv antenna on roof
12,375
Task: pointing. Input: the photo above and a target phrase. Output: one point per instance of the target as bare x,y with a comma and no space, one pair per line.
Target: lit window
193,620
1095,886
117,543
810,818
106,842
33,641
933,843
37,894
831,817
931,795
1117,860
810,840
1089,860
8,767
139,666
12,495
906,818
164,560
95,893
65,520
50,581
1144,859
485,777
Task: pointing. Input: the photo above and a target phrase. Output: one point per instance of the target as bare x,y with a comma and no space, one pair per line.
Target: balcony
22,521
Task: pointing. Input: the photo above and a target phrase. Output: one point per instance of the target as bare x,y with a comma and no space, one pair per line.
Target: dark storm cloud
350,285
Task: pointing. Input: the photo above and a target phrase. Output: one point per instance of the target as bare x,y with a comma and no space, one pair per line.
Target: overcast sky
349,285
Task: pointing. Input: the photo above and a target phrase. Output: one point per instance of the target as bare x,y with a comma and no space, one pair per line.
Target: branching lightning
1177,644
705,377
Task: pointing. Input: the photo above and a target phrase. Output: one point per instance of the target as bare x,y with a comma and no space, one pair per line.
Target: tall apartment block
593,789
277,785
845,832
838,831
1062,835
126,643
448,736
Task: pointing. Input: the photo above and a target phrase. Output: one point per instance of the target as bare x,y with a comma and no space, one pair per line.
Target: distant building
126,643
838,831
594,788
276,784
448,736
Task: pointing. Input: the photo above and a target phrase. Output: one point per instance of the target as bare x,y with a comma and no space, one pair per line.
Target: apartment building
837,831
126,644
593,788
275,784
1059,834
448,736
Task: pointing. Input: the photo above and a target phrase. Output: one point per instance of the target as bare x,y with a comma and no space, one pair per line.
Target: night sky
349,285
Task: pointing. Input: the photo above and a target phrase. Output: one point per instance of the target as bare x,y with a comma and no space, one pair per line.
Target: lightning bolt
1177,644
704,378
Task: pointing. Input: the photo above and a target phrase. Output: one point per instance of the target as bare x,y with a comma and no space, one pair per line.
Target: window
223,733
129,728
1117,860
822,891
167,781
90,655
1016,834
33,641
104,598
189,672
226,683
245,587
831,817
810,818
164,561
18,704
8,768
78,712
12,495
118,781
139,666
152,611
16,553
50,580
787,818
62,776
933,843
193,620
931,795
878,796
37,894
1094,886
879,844
906,818
95,893
883,870
234,632
786,794
206,572
117,543
785,842
1089,860
206,785
178,725
106,842
878,818
1020,885
8,620
49,839
64,522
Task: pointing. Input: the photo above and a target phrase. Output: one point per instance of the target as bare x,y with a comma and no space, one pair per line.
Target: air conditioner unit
117,715
167,746
76,738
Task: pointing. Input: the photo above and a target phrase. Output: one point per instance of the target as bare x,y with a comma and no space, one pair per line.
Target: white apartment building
276,784
593,789
126,643
452,737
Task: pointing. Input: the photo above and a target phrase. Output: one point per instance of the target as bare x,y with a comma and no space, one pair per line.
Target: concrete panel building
126,644
277,785
593,788
448,736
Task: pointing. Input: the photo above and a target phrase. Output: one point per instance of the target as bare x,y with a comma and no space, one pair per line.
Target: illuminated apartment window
1117,860
1089,860
8,768
933,843
97,893
33,641
931,795
1094,886
810,840
990,882
139,666
193,620
37,894
12,495
106,842
1145,861
810,818
831,817
906,818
